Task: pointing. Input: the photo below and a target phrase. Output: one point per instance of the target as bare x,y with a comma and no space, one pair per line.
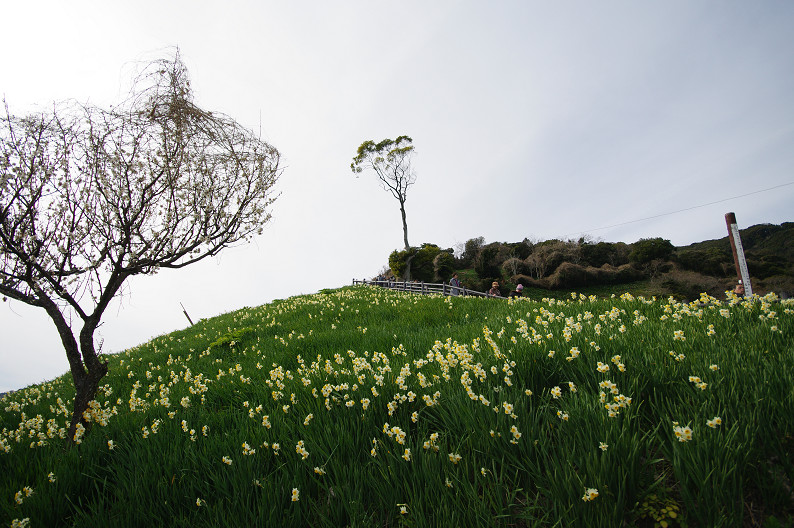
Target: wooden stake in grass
186,315
738,253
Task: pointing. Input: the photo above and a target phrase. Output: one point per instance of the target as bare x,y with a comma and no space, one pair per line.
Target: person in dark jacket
518,292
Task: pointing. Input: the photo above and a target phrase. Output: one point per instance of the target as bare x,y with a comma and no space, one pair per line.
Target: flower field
367,407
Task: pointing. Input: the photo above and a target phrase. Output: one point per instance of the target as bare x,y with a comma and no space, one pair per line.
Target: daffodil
590,494
684,434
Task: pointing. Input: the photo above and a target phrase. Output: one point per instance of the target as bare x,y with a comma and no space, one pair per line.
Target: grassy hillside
366,407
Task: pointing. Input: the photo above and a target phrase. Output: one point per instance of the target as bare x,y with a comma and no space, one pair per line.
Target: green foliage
570,276
470,250
711,261
766,266
398,260
443,266
663,512
231,340
684,273
647,249
520,250
515,266
422,263
422,266
774,522
384,154
547,257
391,161
486,264
599,254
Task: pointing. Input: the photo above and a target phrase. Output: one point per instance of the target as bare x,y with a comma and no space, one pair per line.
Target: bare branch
90,196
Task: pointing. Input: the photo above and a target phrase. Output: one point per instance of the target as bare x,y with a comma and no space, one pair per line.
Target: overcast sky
530,119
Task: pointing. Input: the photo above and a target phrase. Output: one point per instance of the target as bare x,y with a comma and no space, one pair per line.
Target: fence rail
426,288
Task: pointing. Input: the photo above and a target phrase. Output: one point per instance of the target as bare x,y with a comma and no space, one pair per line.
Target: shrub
486,282
398,261
620,275
597,255
569,275
443,266
711,261
485,264
422,263
783,285
515,266
520,250
767,266
529,281
548,255
647,249
470,250
422,266
689,284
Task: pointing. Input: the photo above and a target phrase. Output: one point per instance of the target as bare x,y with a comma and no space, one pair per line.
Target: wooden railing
426,288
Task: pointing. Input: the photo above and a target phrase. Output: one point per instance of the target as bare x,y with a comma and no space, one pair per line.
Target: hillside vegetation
369,407
661,268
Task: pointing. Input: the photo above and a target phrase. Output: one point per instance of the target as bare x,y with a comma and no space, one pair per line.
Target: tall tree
90,197
391,161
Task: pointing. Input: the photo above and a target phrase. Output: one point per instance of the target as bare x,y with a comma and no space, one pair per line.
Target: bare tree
90,197
391,161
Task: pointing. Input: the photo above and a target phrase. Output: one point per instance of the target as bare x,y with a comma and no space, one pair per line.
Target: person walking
454,282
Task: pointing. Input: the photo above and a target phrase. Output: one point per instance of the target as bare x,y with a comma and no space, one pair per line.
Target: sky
614,120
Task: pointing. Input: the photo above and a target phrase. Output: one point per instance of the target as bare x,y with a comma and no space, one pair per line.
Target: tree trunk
408,267
405,240
94,371
405,224
86,368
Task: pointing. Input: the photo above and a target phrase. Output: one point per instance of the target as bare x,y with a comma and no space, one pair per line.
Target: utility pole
738,253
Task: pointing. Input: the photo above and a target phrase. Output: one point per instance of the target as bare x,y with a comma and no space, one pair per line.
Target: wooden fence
426,288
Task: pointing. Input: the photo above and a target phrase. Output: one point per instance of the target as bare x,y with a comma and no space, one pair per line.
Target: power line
678,211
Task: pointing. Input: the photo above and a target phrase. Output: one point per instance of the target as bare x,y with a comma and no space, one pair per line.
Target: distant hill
768,249
683,272
760,239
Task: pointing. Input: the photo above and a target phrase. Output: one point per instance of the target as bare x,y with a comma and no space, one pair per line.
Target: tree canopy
91,196
391,161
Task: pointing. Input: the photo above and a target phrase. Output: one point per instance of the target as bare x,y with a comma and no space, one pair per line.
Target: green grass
345,381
